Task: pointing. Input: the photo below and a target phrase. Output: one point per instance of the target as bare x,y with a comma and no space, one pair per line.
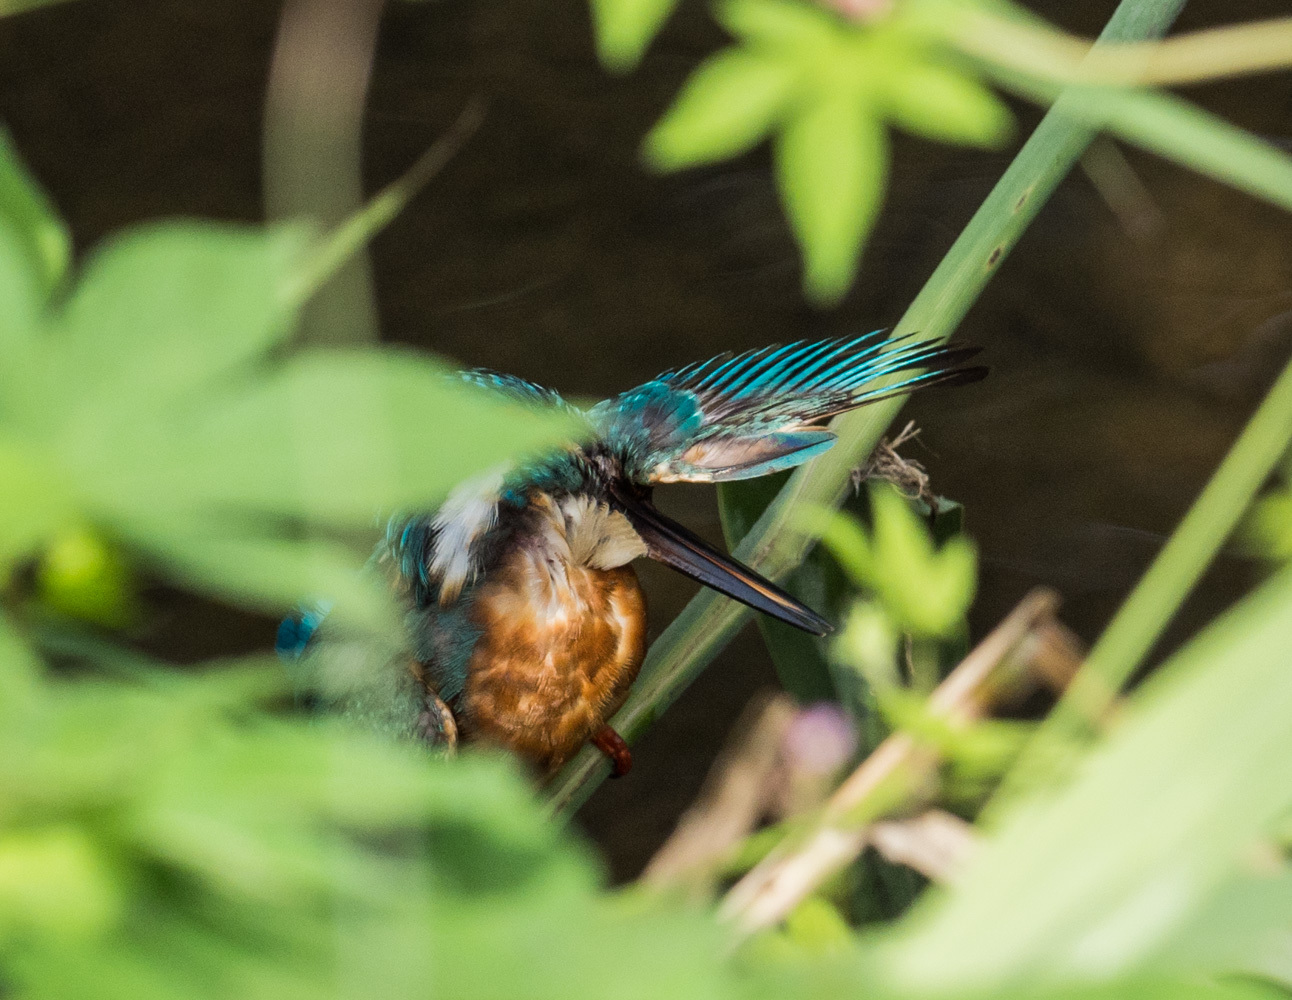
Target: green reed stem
773,546
1144,615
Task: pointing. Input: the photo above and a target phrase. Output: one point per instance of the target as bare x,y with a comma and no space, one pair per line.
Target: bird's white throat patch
588,533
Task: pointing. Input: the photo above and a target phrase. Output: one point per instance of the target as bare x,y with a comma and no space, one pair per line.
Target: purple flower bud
821,739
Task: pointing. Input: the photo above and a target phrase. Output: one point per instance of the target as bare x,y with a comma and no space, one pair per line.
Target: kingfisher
526,621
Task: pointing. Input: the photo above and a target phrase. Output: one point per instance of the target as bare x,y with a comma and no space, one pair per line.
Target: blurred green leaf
27,213
19,673
265,572
162,310
928,591
780,23
1268,529
817,926
81,575
35,503
1244,928
624,28
9,7
343,436
831,167
54,882
727,106
1091,880
24,302
941,103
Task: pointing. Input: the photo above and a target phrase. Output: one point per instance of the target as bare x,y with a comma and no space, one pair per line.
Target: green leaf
935,102
818,928
928,591
54,882
8,7
624,28
831,166
727,106
27,212
1091,881
81,575
166,308
781,23
20,670
800,659
338,437
264,572
1244,928
23,297
35,503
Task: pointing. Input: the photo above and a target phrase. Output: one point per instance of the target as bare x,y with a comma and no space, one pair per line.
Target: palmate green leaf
624,28
781,23
727,106
928,591
831,167
28,215
937,102
1089,882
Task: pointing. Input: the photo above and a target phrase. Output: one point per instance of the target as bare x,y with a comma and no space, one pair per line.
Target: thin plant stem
1145,614
1026,46
774,546
356,231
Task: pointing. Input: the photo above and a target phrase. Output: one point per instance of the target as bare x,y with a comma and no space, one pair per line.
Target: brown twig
936,844
734,797
894,776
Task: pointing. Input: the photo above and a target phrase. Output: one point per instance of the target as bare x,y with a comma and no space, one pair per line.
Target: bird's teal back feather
733,417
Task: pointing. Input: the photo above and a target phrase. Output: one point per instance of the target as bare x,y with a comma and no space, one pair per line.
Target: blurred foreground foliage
182,834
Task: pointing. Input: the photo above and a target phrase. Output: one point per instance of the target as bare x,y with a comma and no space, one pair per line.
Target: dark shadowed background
1127,346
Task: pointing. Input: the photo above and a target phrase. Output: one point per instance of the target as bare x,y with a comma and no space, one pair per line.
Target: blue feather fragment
297,630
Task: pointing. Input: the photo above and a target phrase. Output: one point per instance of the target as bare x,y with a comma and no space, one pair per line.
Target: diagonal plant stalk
774,546
1145,614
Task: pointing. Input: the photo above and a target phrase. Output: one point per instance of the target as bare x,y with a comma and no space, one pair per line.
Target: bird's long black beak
675,546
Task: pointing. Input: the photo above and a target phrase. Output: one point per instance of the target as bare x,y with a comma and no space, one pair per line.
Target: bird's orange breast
559,648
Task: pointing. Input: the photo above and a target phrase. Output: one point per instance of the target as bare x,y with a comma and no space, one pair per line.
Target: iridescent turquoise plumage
526,625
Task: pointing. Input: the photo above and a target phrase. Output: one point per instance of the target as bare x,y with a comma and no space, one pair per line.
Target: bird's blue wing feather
517,389
749,414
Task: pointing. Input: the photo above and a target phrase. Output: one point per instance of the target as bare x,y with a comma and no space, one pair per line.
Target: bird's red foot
613,746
